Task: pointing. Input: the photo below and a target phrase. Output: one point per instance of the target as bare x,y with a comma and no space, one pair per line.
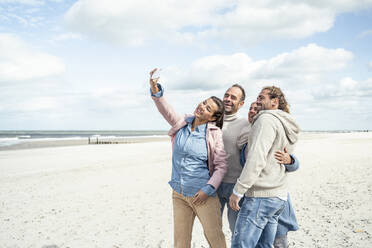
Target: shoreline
30,144
37,143
106,138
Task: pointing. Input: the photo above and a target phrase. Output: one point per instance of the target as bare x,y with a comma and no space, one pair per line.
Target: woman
198,166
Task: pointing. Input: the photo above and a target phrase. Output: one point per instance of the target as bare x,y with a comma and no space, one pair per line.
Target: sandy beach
117,195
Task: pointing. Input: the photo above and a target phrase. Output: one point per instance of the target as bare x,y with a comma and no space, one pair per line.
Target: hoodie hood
289,124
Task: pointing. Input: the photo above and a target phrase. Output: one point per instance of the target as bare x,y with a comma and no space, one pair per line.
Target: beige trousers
209,215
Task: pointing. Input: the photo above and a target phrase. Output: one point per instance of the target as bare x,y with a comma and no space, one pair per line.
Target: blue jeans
257,222
224,192
287,220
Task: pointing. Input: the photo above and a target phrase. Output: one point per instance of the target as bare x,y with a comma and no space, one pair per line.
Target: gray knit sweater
232,126
262,176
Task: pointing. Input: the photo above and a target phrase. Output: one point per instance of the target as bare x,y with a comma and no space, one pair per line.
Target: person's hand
283,157
200,198
154,82
234,202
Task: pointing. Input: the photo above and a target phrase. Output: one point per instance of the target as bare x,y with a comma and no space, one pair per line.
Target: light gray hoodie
262,176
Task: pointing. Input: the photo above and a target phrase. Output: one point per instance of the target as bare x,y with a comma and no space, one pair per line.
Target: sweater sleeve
165,109
262,137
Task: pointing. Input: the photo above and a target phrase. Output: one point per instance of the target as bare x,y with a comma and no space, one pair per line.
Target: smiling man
233,100
263,181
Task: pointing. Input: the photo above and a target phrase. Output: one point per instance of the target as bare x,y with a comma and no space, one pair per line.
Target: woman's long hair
219,113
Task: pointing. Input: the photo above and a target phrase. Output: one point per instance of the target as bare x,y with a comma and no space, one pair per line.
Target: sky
84,65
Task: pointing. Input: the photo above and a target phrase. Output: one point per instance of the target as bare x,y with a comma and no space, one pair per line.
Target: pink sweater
216,152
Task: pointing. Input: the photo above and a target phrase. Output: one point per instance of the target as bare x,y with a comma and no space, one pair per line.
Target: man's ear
275,102
240,104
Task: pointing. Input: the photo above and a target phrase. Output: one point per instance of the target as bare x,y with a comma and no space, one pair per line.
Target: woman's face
205,110
252,111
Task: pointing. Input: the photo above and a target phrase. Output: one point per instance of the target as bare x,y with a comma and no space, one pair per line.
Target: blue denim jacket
287,219
189,161
190,171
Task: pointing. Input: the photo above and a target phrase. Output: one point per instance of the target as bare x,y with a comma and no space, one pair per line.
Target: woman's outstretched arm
163,106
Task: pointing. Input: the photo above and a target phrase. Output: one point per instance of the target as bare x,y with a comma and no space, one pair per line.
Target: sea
14,137
9,138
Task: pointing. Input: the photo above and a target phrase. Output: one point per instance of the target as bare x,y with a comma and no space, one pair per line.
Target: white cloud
370,65
309,77
301,67
19,61
348,88
347,84
342,105
135,22
212,72
311,59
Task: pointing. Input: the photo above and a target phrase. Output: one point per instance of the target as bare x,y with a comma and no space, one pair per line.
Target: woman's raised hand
154,82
